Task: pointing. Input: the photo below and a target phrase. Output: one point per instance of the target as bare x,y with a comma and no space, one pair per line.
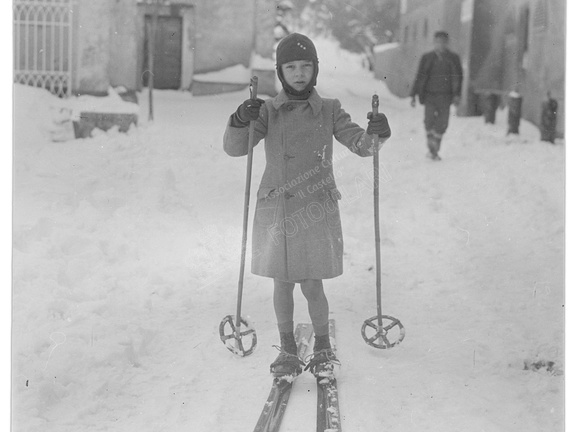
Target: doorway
167,52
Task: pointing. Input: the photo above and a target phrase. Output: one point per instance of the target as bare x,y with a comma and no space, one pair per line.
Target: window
467,11
425,31
525,26
415,32
43,44
406,32
403,6
540,16
510,24
524,44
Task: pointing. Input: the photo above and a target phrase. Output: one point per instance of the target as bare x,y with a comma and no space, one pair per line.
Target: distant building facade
513,45
85,46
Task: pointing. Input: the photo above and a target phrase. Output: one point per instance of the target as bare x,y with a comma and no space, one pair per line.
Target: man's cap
441,34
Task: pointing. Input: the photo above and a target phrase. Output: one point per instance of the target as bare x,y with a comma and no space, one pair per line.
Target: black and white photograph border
123,238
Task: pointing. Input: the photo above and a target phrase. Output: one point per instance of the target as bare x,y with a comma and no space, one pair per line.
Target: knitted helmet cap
295,47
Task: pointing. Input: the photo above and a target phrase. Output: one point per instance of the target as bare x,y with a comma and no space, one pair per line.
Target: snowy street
127,251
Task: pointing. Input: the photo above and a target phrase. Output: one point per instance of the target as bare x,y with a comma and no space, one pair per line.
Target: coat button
288,157
289,107
288,195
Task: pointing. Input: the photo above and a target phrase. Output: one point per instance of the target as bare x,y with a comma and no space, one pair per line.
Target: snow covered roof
237,74
386,47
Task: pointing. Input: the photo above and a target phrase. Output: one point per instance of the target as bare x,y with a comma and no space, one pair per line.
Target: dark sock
321,342
286,327
288,343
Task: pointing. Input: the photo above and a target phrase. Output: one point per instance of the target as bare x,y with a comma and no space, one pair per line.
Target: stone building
514,45
85,46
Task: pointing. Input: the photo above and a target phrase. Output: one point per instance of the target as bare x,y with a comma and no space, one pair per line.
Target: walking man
438,84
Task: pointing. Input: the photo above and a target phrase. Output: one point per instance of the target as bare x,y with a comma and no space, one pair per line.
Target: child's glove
249,110
378,125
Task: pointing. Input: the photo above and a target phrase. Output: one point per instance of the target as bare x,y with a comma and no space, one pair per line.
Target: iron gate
43,44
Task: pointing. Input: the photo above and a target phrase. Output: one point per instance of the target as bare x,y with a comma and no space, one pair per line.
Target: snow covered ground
126,255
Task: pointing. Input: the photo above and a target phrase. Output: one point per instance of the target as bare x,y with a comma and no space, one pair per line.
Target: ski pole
376,159
379,338
253,95
237,323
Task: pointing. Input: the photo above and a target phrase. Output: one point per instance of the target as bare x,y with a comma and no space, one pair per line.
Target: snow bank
34,113
112,103
51,116
342,74
262,63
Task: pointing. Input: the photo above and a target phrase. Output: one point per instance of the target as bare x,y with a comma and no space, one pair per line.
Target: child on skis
297,234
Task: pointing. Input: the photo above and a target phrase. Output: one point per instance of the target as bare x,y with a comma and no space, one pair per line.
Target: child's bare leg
318,308
287,362
284,305
323,359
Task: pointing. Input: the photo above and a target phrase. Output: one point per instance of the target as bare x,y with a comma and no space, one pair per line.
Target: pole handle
375,104
254,87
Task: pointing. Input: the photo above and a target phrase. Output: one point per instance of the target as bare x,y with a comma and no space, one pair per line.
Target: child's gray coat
297,232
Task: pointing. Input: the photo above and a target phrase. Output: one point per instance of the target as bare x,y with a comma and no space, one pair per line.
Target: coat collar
314,100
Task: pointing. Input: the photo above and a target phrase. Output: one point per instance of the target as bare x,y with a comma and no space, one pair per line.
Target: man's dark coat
423,74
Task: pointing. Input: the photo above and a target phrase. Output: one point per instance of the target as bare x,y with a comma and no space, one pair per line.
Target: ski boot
287,363
436,141
321,362
433,141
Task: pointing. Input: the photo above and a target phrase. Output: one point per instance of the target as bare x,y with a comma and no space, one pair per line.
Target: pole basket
383,331
241,340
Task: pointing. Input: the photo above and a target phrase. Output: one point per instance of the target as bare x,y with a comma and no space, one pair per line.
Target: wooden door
167,52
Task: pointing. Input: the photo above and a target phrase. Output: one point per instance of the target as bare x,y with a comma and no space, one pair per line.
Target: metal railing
43,44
